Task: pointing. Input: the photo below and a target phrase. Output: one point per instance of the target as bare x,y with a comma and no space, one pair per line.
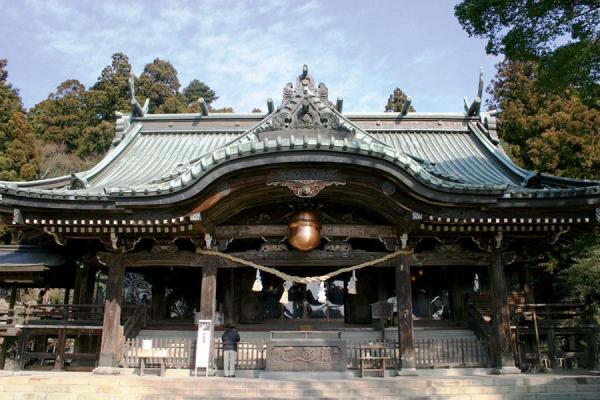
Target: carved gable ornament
305,182
306,106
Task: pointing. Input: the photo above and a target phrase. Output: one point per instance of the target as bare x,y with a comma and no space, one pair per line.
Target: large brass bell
305,230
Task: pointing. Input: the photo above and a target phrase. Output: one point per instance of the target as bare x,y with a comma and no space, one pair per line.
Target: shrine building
408,229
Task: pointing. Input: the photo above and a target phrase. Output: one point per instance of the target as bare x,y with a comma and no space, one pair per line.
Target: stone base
507,371
407,372
296,375
107,371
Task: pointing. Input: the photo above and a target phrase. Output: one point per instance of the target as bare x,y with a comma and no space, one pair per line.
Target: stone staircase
87,386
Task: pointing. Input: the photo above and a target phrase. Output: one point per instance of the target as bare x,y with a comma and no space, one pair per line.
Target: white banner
203,345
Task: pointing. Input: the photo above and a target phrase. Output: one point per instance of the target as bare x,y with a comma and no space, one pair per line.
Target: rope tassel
352,283
284,296
257,286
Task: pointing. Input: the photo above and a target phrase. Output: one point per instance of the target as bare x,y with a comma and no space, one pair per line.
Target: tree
396,101
62,117
563,37
112,87
18,156
159,82
553,133
581,280
197,89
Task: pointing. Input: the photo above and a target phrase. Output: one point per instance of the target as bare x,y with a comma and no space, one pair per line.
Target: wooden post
502,349
229,293
406,340
21,347
5,341
593,339
208,303
112,331
158,299
529,290
59,361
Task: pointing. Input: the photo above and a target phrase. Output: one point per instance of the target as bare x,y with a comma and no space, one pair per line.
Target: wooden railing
8,318
61,314
431,353
546,313
478,323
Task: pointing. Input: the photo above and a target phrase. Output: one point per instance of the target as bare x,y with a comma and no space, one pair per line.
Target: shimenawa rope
301,279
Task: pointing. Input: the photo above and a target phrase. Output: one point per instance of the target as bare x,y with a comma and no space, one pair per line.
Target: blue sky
247,50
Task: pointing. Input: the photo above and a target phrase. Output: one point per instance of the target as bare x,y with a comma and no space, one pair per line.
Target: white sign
203,345
147,344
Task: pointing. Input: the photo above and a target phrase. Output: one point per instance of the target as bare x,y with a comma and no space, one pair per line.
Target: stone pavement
87,386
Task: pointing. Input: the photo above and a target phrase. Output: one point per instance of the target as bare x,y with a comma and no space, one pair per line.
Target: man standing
230,340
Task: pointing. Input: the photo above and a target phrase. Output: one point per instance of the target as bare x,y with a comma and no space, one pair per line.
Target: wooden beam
501,345
112,331
298,259
406,340
258,231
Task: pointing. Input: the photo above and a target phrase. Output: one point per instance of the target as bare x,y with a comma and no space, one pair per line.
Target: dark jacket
230,339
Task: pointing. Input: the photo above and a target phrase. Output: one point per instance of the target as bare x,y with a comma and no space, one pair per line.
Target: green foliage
396,101
554,133
562,36
197,89
74,126
18,156
581,279
159,83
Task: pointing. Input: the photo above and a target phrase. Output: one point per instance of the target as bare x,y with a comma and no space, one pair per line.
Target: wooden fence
430,353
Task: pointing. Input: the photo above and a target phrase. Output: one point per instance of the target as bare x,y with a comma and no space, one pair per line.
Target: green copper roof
155,154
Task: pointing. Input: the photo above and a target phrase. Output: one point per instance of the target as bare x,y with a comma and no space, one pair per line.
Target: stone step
67,386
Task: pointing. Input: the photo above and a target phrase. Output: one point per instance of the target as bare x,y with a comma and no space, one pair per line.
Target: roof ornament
203,106
77,182
136,109
406,106
475,107
306,106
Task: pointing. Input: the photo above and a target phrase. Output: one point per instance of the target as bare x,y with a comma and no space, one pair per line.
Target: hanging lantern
321,296
257,286
305,230
352,283
284,296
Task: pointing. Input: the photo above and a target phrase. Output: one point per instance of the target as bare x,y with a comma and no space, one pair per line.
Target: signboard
203,345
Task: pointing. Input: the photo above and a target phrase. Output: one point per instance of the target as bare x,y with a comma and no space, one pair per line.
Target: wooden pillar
158,299
229,294
5,341
21,347
112,331
208,303
592,339
406,340
59,361
501,349
528,287
83,289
